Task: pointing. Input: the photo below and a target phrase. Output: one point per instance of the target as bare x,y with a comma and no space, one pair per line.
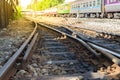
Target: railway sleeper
47,67
58,53
62,62
65,77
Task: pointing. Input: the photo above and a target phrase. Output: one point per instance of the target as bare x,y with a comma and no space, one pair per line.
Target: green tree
44,4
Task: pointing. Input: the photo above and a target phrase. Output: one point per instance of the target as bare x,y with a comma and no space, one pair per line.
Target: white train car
85,8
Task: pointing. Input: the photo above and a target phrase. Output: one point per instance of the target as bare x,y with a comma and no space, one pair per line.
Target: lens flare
66,1
25,3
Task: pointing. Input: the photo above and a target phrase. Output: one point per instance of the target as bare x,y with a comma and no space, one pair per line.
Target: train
86,8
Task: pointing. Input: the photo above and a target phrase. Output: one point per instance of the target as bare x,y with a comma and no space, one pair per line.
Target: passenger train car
63,9
60,10
88,8
112,8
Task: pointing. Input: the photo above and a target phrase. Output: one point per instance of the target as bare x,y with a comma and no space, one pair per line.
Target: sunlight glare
25,3
66,1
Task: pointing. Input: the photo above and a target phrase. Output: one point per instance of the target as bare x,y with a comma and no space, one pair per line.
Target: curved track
63,56
17,59
60,55
104,40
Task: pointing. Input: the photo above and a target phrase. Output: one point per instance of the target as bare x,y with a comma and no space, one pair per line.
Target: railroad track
18,58
59,55
104,40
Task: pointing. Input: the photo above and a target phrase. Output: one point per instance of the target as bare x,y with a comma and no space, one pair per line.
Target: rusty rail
87,44
108,53
29,51
75,38
11,65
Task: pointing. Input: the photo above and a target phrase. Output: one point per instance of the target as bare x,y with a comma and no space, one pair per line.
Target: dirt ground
111,26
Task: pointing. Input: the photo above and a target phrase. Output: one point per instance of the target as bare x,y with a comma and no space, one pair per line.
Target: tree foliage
44,4
17,14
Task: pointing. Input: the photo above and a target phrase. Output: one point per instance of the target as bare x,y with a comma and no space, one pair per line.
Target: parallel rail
110,53
11,66
113,56
25,51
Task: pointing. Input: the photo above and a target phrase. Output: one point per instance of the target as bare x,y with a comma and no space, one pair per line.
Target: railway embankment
49,46
57,55
13,36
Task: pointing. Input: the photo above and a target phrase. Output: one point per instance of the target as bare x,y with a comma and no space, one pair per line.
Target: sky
69,0
24,3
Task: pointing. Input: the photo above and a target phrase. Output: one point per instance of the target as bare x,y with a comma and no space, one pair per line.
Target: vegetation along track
60,56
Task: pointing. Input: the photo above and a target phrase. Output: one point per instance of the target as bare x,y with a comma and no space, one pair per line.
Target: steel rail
9,68
110,56
105,49
80,40
108,53
29,50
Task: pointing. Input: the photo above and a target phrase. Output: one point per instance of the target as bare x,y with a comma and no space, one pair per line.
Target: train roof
80,1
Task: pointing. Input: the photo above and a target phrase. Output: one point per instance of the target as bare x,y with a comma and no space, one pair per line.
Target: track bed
58,57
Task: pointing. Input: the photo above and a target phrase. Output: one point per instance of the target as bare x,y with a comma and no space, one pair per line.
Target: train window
83,4
94,3
78,5
90,4
75,5
113,0
98,2
87,4
110,1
